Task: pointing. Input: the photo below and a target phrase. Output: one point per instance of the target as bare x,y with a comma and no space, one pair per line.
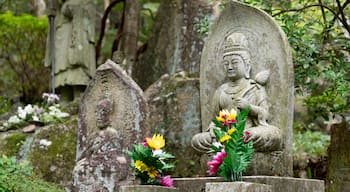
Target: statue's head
236,56
103,111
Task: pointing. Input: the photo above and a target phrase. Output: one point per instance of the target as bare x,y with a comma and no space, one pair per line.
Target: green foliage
16,6
320,50
11,145
238,151
150,163
22,47
311,144
19,177
147,18
5,104
202,25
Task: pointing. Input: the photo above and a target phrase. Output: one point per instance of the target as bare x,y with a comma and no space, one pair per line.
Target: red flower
216,162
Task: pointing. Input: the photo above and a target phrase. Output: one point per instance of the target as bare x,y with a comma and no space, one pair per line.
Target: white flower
217,144
35,118
51,98
56,112
21,113
5,124
62,114
157,152
38,110
14,120
45,143
29,109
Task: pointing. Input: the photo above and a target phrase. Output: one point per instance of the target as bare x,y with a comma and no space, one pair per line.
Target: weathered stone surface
237,186
338,162
175,112
51,151
29,128
75,61
269,50
279,184
112,117
175,44
146,188
288,184
10,142
194,184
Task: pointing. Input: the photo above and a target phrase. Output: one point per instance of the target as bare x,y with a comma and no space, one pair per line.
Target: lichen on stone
55,162
11,144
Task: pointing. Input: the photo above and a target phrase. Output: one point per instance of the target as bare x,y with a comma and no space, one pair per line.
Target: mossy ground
11,144
55,163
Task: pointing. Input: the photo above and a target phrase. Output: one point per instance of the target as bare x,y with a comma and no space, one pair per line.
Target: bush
310,144
19,178
22,55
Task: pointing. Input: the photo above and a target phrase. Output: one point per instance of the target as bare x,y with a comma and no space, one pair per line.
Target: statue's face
103,110
234,66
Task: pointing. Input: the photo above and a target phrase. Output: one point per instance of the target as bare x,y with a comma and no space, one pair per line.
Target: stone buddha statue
239,92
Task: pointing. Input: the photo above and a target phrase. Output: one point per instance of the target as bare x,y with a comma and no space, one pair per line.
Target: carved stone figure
112,117
74,47
241,92
265,82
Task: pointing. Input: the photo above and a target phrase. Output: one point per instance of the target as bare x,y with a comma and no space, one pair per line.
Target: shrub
19,177
22,53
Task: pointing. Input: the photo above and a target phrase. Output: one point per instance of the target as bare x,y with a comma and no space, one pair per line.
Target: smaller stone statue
74,48
240,92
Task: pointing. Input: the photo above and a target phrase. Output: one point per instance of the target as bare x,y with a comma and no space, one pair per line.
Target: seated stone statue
240,92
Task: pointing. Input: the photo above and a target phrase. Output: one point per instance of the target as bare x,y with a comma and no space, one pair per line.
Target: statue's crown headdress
235,43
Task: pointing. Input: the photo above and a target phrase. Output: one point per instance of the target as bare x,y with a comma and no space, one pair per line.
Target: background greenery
317,30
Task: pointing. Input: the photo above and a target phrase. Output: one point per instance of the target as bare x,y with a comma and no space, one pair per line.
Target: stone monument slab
112,117
247,33
175,112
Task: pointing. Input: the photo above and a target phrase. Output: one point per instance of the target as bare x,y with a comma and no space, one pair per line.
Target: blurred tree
318,32
22,49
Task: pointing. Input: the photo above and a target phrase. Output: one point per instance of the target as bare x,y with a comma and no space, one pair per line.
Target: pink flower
246,136
145,144
167,181
216,162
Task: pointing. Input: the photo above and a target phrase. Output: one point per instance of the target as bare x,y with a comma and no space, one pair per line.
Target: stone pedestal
146,188
237,186
278,184
288,184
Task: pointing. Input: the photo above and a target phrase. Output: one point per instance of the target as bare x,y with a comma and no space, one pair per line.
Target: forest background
131,31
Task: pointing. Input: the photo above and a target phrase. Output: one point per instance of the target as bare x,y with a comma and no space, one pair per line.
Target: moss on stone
55,163
11,144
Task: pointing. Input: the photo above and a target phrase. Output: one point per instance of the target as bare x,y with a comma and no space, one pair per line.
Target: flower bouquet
47,112
233,151
149,161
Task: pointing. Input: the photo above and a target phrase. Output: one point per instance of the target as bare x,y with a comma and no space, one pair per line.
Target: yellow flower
156,142
230,131
152,173
141,166
222,116
225,138
227,116
232,115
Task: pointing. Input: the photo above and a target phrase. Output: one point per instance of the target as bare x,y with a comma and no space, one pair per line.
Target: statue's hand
242,103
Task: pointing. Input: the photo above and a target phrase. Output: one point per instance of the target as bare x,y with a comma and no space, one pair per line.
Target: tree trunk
130,33
338,168
175,44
